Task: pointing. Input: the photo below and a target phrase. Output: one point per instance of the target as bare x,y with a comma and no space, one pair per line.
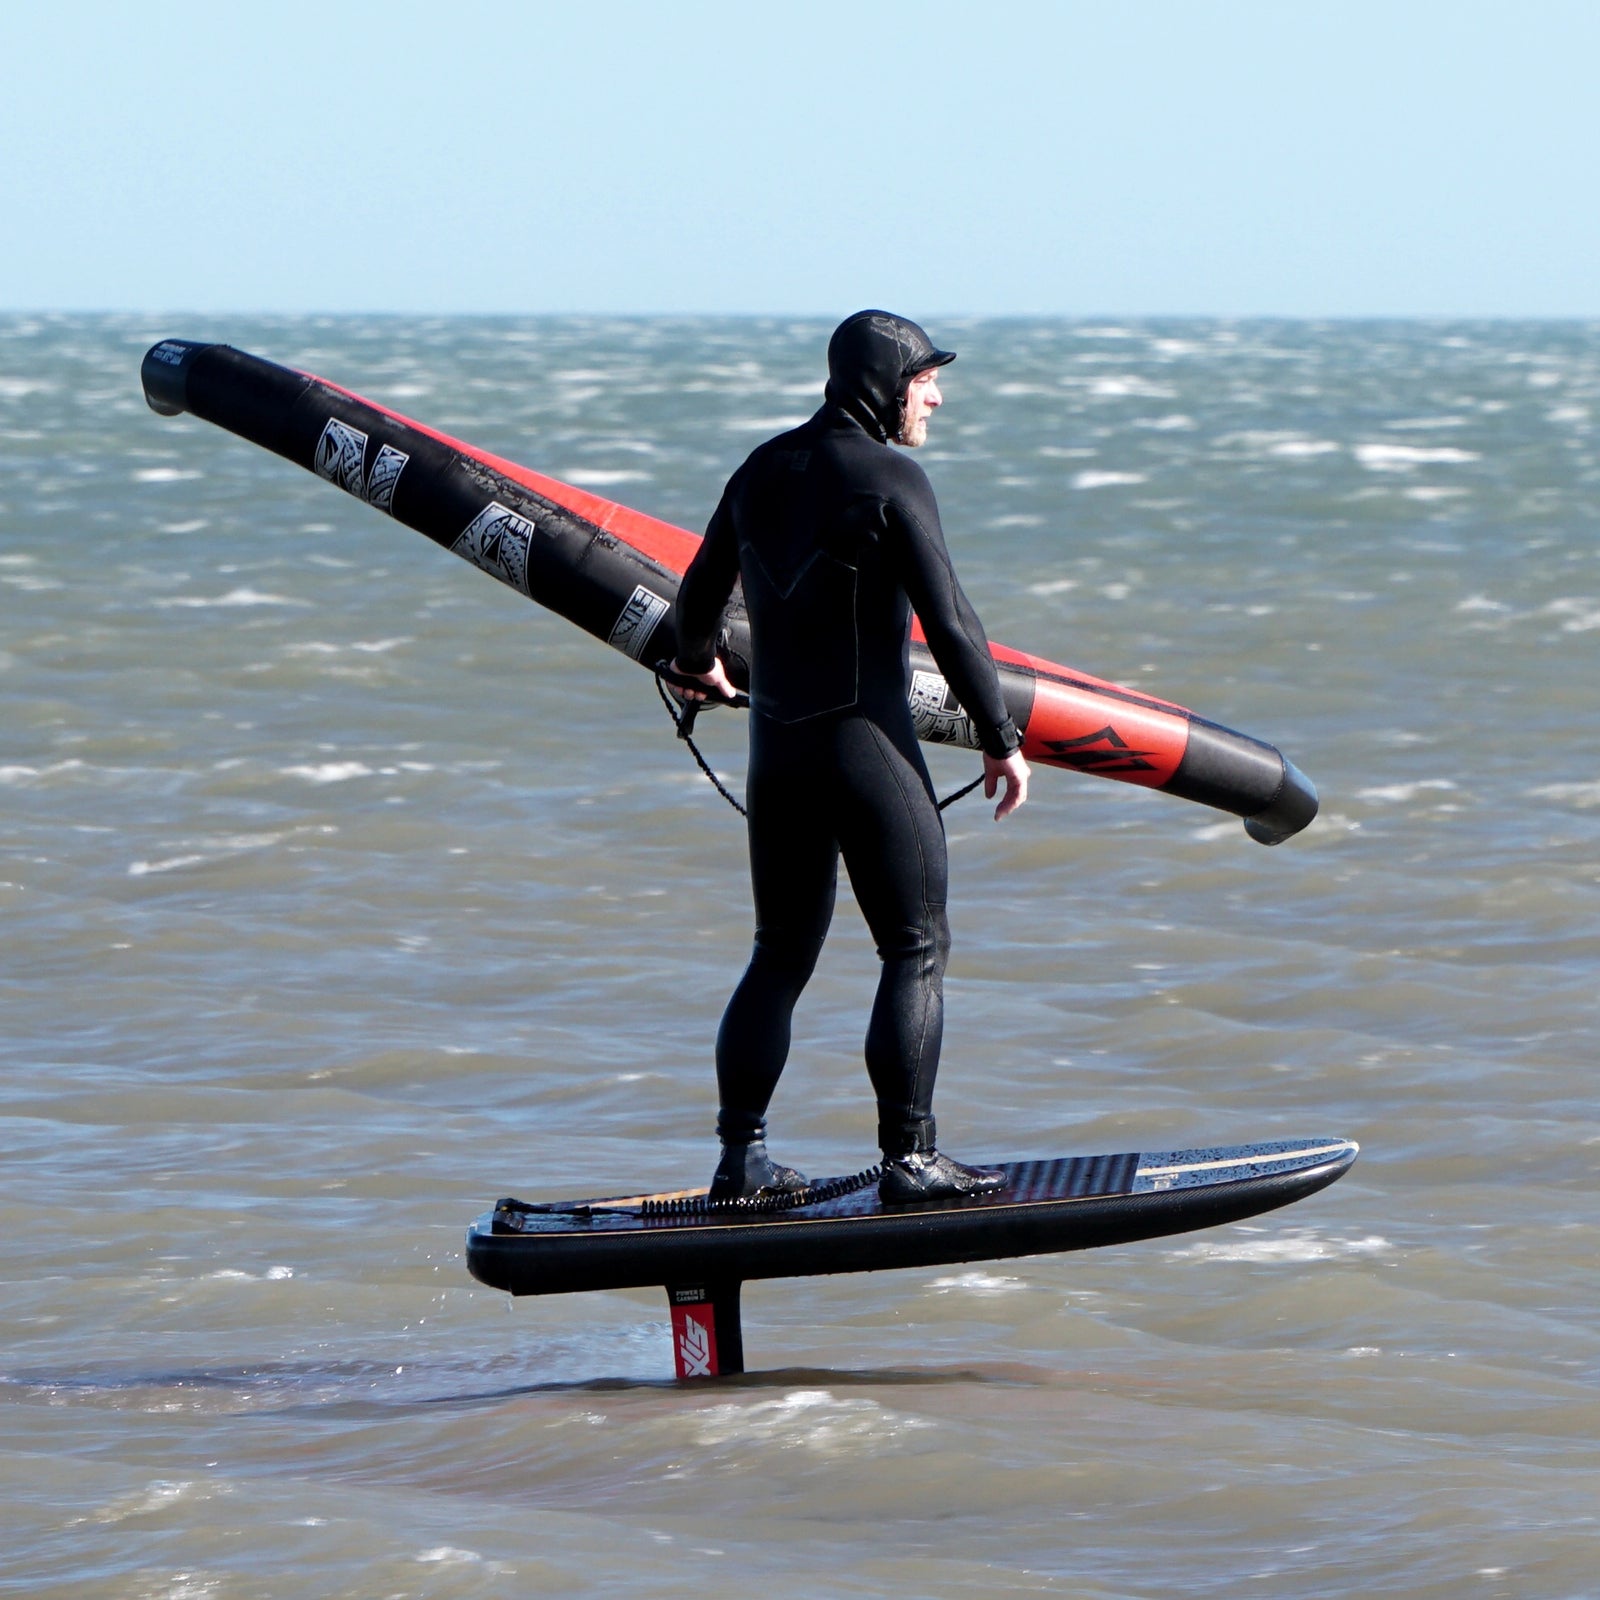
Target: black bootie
746,1171
924,1175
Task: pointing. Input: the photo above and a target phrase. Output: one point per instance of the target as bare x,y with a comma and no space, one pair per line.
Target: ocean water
344,891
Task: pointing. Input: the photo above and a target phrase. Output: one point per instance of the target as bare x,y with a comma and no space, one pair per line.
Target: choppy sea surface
344,891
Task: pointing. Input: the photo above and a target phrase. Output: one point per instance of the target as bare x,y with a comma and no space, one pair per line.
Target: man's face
922,396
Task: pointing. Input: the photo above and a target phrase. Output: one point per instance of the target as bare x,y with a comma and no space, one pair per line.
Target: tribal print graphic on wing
341,453
937,714
384,476
637,622
497,540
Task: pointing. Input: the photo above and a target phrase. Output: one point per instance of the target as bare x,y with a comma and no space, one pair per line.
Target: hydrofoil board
701,1252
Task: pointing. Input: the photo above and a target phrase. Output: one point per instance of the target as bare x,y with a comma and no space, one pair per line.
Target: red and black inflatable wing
615,573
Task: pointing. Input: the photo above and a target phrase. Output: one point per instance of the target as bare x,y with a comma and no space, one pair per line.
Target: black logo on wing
1103,752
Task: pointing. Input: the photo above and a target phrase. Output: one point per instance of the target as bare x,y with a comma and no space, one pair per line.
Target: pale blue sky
1220,157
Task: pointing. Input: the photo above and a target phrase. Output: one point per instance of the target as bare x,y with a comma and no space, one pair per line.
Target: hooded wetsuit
836,539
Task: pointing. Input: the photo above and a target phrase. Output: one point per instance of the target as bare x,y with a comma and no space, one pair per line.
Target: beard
912,434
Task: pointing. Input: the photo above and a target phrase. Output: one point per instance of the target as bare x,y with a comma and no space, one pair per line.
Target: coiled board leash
684,722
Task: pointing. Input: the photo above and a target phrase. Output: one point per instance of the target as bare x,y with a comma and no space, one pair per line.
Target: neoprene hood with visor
872,356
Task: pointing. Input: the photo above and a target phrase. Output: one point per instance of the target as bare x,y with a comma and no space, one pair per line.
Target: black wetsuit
836,537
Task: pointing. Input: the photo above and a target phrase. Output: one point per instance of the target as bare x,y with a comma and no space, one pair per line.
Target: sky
1346,158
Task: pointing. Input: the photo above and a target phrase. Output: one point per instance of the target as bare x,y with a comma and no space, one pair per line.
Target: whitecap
1126,386
164,474
329,772
762,424
21,388
21,774
234,597
1582,795
1299,1247
248,841
1401,792
145,869
155,1497
1304,449
1262,440
373,647
1580,611
1428,495
810,1419
601,478
977,1283
1403,457
1105,480
1481,602
1054,586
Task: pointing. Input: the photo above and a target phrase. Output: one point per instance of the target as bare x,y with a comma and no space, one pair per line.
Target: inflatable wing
615,573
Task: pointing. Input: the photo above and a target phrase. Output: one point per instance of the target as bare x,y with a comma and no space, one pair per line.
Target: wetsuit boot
747,1171
914,1172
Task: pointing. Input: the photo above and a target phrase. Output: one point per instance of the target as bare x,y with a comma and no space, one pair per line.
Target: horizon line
1436,317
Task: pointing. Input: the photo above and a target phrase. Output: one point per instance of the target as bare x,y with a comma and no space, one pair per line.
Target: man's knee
787,952
926,943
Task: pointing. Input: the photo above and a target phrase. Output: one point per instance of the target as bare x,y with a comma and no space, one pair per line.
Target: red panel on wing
1105,735
673,547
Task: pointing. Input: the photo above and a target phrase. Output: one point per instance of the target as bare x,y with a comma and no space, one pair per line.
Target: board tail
615,573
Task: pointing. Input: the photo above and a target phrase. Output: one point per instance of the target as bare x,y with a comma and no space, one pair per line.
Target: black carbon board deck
1072,1203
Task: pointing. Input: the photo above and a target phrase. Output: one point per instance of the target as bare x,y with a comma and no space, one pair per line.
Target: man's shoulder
775,451
902,482
905,470
872,464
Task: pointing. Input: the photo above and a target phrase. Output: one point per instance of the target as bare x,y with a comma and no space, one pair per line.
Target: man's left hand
1013,772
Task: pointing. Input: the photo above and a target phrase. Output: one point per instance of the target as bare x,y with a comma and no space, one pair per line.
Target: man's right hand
1013,772
717,682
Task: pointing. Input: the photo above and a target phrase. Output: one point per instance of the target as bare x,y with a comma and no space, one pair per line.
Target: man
836,539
